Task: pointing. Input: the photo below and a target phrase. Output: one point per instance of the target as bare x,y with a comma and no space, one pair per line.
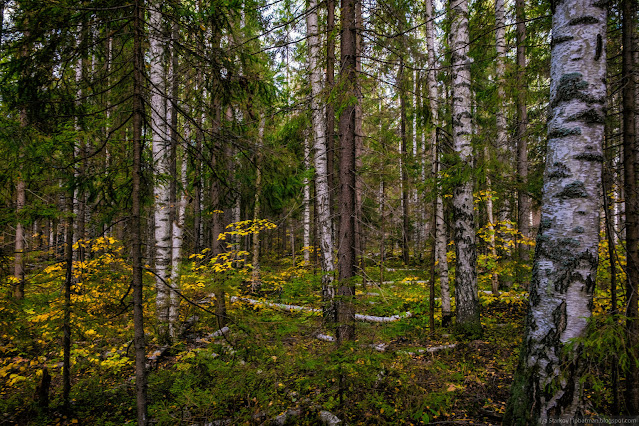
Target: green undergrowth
269,363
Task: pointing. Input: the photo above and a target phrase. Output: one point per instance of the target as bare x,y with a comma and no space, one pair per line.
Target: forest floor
269,366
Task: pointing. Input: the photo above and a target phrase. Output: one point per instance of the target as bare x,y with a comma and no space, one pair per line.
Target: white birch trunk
441,243
177,237
466,298
161,155
318,114
547,383
307,204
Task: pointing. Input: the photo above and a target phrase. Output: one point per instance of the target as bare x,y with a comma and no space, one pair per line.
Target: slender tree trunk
18,262
466,297
162,167
330,106
607,181
632,204
359,147
136,237
322,188
441,241
177,241
307,204
404,167
494,278
255,275
547,381
347,257
66,323
523,200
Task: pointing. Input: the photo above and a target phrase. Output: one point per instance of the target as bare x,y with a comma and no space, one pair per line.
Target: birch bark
322,190
466,298
161,161
307,204
547,382
177,240
440,226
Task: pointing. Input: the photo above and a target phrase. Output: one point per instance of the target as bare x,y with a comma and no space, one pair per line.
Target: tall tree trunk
632,203
523,200
255,275
608,182
322,189
466,298
403,154
547,381
494,278
441,241
162,167
359,147
347,256
18,262
330,107
177,241
136,237
307,204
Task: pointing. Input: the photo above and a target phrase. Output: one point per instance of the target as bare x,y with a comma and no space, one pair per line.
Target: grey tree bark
547,381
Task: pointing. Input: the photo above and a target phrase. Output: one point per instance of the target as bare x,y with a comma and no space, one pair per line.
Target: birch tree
547,382
161,162
322,190
439,226
466,298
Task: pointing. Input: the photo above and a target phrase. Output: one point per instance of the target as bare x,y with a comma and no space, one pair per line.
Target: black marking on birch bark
590,156
590,116
559,39
599,48
562,132
558,171
584,20
602,4
578,230
571,86
559,317
576,189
